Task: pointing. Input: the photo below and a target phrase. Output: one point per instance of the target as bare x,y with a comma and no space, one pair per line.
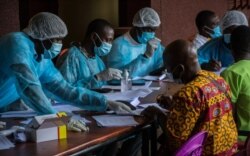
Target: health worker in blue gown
216,53
28,73
138,50
82,65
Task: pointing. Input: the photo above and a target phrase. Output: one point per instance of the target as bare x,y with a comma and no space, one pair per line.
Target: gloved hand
151,47
77,125
118,107
109,74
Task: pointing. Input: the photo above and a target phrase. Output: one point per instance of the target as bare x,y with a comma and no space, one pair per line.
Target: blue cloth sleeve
142,66
57,88
121,57
21,63
75,70
30,90
203,56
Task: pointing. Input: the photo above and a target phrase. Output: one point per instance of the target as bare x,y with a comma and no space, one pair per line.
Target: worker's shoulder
211,44
76,54
15,36
123,39
73,50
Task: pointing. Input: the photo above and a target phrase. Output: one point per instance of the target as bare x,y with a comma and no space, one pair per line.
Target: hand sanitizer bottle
126,82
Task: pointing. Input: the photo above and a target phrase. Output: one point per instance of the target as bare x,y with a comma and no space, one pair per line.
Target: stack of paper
115,121
5,143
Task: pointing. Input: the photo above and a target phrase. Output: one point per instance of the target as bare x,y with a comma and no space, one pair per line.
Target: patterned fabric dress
202,106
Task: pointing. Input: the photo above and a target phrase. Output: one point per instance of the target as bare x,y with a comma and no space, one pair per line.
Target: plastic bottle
126,82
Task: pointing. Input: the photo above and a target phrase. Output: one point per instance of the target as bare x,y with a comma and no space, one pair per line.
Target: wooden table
97,137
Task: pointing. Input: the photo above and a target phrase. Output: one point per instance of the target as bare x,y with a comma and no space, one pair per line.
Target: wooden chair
61,55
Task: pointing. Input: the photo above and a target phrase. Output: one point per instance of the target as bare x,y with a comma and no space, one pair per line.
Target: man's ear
178,71
180,68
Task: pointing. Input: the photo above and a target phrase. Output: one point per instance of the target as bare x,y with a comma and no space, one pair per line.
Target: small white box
50,129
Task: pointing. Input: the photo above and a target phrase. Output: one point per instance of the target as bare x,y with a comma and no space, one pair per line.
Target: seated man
138,50
238,77
203,104
216,53
82,65
207,23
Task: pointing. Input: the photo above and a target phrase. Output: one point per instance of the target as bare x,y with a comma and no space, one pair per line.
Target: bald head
178,52
181,52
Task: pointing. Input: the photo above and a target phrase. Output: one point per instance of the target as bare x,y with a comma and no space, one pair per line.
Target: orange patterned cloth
201,106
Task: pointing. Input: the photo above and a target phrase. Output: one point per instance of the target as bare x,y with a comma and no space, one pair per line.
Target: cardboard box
49,129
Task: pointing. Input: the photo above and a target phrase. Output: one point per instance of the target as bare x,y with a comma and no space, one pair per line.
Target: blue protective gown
79,70
126,53
215,49
24,77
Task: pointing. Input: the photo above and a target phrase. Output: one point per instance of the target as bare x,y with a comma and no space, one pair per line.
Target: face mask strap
98,38
50,41
205,26
43,45
210,32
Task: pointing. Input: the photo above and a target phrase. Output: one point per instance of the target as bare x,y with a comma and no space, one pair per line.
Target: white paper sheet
115,120
30,113
151,78
5,143
147,84
141,107
66,108
27,121
128,95
18,114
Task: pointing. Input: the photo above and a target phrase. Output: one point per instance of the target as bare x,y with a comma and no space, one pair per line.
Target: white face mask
54,50
103,49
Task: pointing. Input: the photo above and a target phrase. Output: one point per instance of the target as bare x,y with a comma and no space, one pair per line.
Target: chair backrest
64,51
59,60
193,146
